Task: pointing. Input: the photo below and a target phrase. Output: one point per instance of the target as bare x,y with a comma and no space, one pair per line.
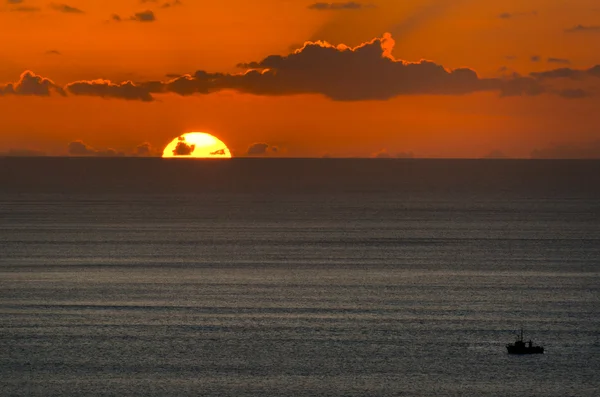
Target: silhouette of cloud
519,86
559,60
173,3
31,84
573,93
366,72
144,16
65,8
567,73
584,29
106,89
535,58
589,150
144,150
183,148
351,5
14,1
495,154
53,52
382,154
80,149
405,155
261,149
257,149
23,153
24,8
510,15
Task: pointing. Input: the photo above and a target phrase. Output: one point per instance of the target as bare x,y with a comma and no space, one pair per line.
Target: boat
522,347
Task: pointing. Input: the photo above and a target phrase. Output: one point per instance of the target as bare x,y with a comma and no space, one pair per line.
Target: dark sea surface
249,277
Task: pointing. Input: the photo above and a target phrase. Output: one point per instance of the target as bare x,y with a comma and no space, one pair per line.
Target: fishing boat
522,347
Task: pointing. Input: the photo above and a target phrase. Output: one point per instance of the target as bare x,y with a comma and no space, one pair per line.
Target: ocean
298,277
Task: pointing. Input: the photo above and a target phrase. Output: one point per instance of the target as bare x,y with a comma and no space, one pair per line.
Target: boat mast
521,334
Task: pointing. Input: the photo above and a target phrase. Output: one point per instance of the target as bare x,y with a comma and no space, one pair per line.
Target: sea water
137,277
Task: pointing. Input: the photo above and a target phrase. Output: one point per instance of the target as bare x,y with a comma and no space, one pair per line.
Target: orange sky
322,100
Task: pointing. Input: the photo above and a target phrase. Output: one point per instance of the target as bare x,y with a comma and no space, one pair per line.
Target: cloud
31,84
144,16
584,29
65,8
14,1
382,154
25,9
535,58
171,4
24,153
106,89
510,15
363,73
351,5
80,149
588,150
261,149
183,148
519,86
559,60
573,93
144,150
495,154
405,155
53,52
568,73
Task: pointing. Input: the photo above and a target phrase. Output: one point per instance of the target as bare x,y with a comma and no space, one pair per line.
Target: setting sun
197,145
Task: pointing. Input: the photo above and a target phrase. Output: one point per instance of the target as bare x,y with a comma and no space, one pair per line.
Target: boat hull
524,350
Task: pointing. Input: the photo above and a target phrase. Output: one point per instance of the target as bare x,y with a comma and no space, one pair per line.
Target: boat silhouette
522,347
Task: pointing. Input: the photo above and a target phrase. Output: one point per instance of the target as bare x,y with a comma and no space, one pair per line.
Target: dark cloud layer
510,15
80,149
65,8
351,5
589,150
106,89
144,150
584,29
257,149
31,84
568,73
559,60
261,149
23,153
143,16
366,72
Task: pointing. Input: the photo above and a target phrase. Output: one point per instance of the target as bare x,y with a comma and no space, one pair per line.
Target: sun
197,145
